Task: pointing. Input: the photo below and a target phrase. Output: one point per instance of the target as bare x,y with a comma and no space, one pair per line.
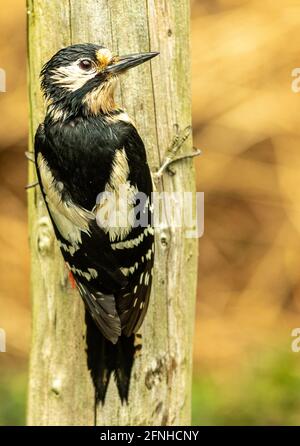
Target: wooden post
157,96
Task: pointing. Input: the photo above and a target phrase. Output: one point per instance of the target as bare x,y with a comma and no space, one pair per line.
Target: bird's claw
30,156
170,158
31,185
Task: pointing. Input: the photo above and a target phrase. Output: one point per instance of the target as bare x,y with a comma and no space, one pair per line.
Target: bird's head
80,79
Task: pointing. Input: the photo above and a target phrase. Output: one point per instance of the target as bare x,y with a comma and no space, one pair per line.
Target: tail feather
123,353
105,358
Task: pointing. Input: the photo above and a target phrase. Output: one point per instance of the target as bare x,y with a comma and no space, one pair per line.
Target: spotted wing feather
102,308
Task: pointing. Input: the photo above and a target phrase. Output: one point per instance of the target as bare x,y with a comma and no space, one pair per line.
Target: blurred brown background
245,118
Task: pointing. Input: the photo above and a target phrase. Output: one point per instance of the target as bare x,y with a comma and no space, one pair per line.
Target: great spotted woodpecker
87,152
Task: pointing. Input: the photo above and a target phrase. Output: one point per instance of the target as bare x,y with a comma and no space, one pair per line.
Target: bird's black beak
123,63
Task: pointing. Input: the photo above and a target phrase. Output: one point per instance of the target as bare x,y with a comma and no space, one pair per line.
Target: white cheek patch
72,77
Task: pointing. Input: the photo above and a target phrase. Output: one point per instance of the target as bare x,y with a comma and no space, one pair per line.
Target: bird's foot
170,157
31,185
30,156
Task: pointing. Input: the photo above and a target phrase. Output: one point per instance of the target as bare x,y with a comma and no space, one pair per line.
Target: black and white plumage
87,146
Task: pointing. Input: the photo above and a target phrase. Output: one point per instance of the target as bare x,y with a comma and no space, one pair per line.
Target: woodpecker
88,154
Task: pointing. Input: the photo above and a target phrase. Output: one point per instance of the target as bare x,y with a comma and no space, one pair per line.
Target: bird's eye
85,64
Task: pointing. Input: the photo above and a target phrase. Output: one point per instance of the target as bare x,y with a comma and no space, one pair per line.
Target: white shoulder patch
114,211
71,220
120,171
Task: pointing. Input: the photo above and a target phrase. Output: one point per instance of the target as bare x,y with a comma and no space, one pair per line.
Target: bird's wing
132,302
85,247
100,262
136,251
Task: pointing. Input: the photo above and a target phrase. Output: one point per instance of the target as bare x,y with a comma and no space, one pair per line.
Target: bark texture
157,96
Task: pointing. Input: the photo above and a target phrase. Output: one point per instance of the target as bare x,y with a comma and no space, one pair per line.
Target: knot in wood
44,236
164,237
155,374
56,386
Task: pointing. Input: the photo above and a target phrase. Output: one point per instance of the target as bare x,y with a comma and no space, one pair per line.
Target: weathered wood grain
157,96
